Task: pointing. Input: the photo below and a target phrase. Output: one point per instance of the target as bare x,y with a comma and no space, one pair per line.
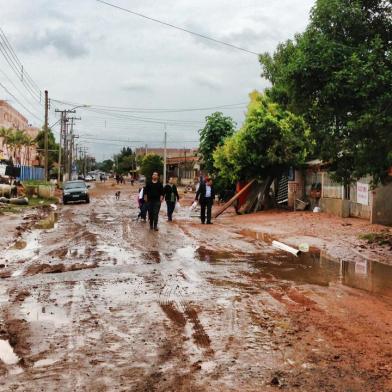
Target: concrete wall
382,205
336,207
360,211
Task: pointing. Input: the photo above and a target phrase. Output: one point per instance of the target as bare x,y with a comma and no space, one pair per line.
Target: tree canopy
126,161
106,165
52,146
151,163
271,140
338,75
217,128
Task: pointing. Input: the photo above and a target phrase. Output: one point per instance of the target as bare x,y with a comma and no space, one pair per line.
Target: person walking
153,195
171,197
206,195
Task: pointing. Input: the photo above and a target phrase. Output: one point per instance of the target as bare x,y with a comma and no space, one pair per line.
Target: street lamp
68,110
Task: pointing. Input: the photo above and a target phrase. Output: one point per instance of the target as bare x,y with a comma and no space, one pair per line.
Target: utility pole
46,136
164,157
71,145
60,147
63,138
185,171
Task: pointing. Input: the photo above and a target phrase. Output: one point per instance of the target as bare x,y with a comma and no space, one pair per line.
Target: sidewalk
338,237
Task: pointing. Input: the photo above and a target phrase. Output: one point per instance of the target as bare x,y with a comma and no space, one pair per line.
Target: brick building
11,118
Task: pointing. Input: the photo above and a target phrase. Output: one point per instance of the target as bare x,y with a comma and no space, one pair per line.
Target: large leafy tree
151,163
52,147
338,74
126,160
217,128
106,165
271,140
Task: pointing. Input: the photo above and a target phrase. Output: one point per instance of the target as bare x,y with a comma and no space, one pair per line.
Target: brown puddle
48,222
310,268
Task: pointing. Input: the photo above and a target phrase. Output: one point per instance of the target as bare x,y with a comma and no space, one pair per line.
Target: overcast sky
86,52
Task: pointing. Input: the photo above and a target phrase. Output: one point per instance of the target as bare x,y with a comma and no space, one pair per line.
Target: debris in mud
57,268
383,238
22,295
5,274
7,354
277,380
20,245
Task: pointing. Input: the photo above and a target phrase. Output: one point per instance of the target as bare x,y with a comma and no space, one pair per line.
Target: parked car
75,191
89,178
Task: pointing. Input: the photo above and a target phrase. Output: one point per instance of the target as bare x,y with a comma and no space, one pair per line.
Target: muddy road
100,303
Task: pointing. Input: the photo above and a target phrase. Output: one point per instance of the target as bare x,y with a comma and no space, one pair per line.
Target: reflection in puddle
48,222
310,268
317,269
7,354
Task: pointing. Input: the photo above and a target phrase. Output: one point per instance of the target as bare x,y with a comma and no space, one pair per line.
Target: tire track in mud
180,311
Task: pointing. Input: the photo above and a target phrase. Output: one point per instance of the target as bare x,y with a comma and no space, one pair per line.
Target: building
170,152
185,168
11,118
316,185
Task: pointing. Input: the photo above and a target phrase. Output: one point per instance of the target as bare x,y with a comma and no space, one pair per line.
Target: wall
382,205
338,207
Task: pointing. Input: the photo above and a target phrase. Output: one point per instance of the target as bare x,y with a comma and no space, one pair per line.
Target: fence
31,173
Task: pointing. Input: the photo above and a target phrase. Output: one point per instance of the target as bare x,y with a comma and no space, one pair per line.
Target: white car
88,178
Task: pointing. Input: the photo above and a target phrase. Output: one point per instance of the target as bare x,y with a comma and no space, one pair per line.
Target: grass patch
383,238
36,183
34,202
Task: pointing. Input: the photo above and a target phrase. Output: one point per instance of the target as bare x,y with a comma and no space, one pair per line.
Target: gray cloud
207,81
136,86
122,60
62,40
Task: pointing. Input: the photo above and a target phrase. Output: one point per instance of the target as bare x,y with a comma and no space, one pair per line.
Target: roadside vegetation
330,98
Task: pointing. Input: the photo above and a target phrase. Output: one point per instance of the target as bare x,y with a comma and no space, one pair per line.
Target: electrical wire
178,28
14,55
16,87
20,103
133,141
141,110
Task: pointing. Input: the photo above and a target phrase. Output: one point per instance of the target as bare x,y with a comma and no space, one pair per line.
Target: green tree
271,140
52,147
106,165
338,74
126,160
151,163
217,128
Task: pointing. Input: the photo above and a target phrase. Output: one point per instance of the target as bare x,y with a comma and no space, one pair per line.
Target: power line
20,103
139,110
14,55
16,71
16,87
134,141
178,28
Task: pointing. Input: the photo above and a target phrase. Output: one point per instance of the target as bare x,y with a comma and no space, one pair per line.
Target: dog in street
118,195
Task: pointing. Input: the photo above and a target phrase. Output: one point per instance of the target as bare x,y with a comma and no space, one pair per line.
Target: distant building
170,152
11,118
186,168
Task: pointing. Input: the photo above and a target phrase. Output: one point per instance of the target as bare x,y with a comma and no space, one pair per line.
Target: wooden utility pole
46,130
164,157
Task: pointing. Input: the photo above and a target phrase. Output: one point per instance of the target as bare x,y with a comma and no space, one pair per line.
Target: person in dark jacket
206,195
153,195
171,197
